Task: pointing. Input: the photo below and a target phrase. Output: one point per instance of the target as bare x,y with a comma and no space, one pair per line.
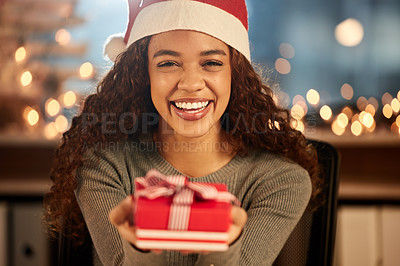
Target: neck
194,157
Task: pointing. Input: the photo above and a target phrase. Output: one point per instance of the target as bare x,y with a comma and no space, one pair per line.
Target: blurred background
334,64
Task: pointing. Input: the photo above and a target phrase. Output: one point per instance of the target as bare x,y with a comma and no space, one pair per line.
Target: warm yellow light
32,117
347,110
368,120
395,105
394,127
386,98
26,78
398,95
298,125
356,128
50,130
387,111
69,99
374,102
362,103
312,96
86,70
355,117
372,127
52,107
338,130
61,123
361,117
282,66
347,91
63,37
325,112
297,112
349,32
342,120
20,54
298,98
370,109
398,121
286,50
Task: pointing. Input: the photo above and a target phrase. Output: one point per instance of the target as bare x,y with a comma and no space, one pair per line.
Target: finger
239,216
122,213
128,232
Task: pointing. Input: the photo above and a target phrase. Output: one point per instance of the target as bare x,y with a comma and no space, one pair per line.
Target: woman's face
190,79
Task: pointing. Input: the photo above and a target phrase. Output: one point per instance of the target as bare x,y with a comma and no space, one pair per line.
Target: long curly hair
252,119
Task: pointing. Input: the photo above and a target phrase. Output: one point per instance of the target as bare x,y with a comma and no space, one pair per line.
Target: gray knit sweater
273,191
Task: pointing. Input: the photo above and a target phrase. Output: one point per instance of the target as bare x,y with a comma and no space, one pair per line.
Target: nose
191,80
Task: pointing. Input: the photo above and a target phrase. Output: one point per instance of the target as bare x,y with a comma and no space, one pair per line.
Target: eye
212,65
167,64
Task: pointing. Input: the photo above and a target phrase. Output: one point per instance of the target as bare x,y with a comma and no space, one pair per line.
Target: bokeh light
347,110
356,128
52,107
69,98
31,115
50,130
282,66
286,50
347,91
86,70
395,105
297,112
63,37
26,78
387,111
336,129
313,97
370,109
342,120
20,54
349,32
325,112
362,102
61,123
386,98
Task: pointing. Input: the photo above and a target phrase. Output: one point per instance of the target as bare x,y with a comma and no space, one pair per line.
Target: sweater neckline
165,167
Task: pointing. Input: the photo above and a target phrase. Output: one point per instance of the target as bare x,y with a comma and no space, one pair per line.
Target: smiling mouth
189,107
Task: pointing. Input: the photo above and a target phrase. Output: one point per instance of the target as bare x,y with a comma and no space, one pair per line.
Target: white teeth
184,105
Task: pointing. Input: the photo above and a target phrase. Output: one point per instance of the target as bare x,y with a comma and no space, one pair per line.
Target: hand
122,218
239,219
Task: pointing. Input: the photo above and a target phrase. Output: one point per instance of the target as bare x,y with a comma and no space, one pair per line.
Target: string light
86,70
336,129
297,112
31,115
356,128
362,102
26,78
282,66
20,54
313,97
347,91
50,131
52,107
325,112
286,50
387,111
386,98
349,32
69,99
342,120
61,123
63,37
395,105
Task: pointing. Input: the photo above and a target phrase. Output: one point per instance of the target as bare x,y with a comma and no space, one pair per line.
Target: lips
193,113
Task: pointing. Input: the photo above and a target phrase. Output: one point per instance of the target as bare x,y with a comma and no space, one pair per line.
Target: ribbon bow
157,185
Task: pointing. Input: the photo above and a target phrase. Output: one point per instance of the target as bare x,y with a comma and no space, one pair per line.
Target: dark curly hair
252,119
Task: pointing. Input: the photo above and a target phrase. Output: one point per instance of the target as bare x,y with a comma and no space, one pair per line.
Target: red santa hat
225,20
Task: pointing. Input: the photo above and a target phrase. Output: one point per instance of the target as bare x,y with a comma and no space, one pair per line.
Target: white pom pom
114,46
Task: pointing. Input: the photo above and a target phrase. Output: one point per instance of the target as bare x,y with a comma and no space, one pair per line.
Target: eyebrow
174,53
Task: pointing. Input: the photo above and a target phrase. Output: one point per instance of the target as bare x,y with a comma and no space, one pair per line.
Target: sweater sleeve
275,208
102,183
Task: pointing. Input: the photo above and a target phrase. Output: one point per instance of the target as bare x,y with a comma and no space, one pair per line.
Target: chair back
312,241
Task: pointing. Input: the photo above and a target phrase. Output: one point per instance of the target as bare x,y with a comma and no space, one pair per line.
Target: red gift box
172,213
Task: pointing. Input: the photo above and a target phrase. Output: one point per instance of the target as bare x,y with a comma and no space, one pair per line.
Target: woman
184,99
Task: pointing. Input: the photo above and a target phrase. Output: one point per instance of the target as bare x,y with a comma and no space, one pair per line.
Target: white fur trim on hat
191,15
114,46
